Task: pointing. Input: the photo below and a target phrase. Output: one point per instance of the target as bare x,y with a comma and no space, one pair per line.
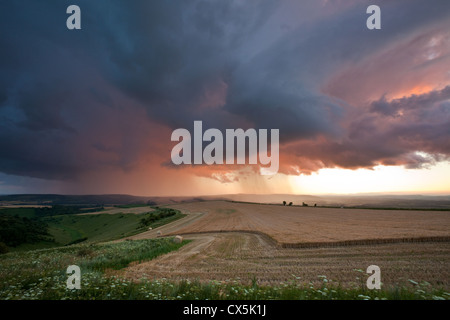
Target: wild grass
41,275
95,227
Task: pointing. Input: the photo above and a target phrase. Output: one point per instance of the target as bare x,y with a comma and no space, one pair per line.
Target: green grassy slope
70,228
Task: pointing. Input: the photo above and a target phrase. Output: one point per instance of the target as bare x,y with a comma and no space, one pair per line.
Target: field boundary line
365,242
319,244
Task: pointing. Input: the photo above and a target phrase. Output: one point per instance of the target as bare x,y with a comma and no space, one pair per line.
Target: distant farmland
264,244
302,225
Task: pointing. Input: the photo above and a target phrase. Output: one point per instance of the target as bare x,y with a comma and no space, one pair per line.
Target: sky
92,111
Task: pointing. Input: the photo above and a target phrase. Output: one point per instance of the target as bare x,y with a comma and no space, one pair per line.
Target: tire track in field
208,255
169,228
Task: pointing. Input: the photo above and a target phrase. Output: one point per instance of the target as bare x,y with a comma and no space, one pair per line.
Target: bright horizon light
382,179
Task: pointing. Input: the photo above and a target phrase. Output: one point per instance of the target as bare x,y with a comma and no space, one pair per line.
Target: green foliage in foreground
41,275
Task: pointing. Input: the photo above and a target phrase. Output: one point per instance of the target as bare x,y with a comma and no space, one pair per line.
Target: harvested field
246,256
291,226
273,244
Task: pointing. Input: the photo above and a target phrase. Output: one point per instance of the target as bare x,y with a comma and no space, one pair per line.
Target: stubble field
302,225
273,244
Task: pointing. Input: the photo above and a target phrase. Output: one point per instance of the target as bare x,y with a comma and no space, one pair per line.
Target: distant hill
50,199
361,201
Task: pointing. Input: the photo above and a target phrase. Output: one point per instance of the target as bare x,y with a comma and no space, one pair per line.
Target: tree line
159,214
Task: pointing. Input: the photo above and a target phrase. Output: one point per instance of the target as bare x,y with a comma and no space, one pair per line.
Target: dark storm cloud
174,54
66,95
422,105
411,131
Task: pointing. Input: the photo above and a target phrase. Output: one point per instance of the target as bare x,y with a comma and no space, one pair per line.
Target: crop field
41,275
247,257
242,250
302,225
273,244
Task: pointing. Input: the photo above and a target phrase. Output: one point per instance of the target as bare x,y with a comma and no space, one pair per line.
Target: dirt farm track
273,244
